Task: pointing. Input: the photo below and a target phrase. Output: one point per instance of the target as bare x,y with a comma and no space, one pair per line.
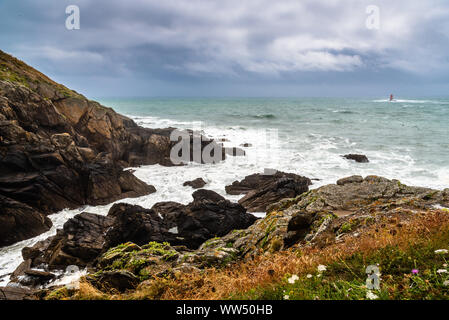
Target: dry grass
268,270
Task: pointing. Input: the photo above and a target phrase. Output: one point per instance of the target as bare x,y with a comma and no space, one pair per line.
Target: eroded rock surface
262,190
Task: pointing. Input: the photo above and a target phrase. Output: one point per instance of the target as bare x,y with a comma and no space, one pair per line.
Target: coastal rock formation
19,221
60,150
84,237
195,184
317,218
261,190
357,158
320,215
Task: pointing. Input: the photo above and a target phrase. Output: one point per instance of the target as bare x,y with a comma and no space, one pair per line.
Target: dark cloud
233,47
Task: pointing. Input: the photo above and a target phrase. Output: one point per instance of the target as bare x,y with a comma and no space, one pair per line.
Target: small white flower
441,251
293,279
286,297
445,265
371,296
318,275
321,268
441,271
309,276
446,283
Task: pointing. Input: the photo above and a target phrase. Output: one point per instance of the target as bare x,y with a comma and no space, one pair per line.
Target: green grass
346,279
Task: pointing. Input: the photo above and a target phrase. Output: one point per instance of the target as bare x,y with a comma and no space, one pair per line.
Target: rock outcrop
19,221
86,236
321,215
261,190
357,157
195,184
60,150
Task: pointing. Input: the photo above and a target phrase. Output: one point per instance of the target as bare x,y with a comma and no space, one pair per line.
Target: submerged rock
195,184
357,158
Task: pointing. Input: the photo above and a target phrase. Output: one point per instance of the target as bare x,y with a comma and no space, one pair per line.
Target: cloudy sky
234,47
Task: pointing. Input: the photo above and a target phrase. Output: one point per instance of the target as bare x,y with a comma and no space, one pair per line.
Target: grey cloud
230,42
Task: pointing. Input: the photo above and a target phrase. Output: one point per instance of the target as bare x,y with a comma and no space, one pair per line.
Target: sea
405,139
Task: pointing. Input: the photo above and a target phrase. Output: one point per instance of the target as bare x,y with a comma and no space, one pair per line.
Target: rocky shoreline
60,150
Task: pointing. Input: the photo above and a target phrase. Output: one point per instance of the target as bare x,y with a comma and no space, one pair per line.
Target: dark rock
357,157
208,216
352,179
208,195
119,280
195,184
79,242
19,221
264,189
246,145
135,224
16,293
34,278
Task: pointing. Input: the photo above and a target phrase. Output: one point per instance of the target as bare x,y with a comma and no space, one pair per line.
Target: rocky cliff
60,150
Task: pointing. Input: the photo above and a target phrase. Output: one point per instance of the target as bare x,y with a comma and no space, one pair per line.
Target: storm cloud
234,47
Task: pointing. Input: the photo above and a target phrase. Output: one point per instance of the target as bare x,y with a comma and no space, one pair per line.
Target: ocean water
406,139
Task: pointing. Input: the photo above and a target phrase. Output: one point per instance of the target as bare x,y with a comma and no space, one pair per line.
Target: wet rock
263,190
195,184
357,157
16,293
19,221
79,242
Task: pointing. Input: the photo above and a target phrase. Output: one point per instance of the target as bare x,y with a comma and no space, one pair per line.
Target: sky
235,48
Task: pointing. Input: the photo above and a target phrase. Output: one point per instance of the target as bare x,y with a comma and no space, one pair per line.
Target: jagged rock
195,184
19,221
264,189
357,157
135,224
79,242
16,293
86,236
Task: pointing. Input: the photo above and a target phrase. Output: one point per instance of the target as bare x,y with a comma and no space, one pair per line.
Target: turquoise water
406,139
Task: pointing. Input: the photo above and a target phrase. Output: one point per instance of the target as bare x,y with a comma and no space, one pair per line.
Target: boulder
79,242
16,293
261,190
19,221
195,184
357,158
